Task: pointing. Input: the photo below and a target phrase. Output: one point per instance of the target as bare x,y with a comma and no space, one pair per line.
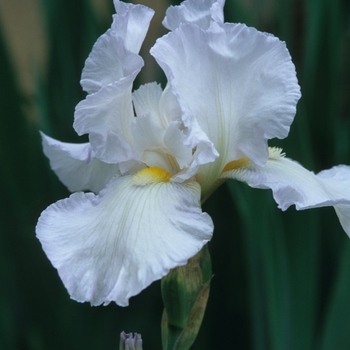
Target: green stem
185,292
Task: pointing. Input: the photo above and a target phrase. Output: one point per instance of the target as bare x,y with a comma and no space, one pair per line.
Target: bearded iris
153,155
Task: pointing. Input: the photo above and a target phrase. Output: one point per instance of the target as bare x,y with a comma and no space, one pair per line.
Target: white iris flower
230,89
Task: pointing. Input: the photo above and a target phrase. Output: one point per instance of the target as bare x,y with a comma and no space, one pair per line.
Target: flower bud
185,292
130,342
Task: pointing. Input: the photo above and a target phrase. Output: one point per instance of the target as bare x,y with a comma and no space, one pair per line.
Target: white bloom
230,89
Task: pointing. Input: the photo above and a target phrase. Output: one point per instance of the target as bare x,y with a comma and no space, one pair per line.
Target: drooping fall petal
292,184
76,165
111,246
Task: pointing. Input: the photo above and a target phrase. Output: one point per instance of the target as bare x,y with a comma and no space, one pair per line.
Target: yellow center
151,175
274,153
236,164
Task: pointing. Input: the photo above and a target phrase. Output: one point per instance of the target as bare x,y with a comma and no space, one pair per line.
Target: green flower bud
185,292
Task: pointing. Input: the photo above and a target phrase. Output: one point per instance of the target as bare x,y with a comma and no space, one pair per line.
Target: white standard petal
108,62
239,84
199,12
157,134
107,112
114,55
131,23
161,147
146,100
148,142
76,166
169,107
111,246
293,184
161,105
107,117
174,142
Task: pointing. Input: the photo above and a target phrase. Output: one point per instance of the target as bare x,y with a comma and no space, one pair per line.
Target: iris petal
107,117
237,84
131,23
293,184
107,113
114,55
199,12
76,165
111,246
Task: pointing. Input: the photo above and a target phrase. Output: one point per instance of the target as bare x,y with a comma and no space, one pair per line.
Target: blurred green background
282,280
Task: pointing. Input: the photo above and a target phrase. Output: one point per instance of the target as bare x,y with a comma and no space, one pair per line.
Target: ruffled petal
107,117
111,246
169,107
161,147
148,142
108,62
199,12
76,166
146,100
131,23
239,84
160,105
293,184
114,55
107,113
174,142
157,135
